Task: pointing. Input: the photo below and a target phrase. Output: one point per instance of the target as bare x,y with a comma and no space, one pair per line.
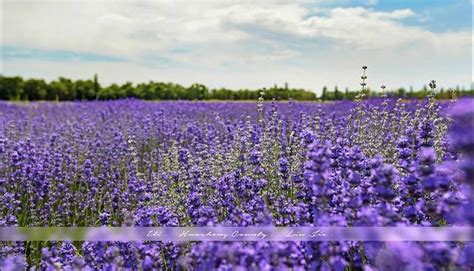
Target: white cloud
372,2
130,29
256,38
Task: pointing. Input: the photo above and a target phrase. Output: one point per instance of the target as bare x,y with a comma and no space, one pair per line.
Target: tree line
64,89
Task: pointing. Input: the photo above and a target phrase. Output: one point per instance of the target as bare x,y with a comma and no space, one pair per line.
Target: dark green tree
324,94
96,85
11,88
34,89
336,93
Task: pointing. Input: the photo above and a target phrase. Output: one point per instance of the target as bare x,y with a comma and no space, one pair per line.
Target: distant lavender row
379,162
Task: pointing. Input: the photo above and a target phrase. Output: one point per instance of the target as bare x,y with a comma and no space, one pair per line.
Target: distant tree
197,92
324,94
148,92
34,89
126,90
96,85
411,94
61,90
64,89
84,89
336,93
401,92
458,91
11,88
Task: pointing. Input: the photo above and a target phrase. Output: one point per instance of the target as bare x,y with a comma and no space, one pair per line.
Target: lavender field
374,162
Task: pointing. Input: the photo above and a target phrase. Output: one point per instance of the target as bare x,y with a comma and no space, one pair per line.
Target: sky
241,44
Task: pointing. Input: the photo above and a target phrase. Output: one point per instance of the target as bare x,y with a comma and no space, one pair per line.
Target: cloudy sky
241,44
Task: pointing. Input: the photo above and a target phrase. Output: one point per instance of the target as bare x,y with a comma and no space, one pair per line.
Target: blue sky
11,52
435,15
241,44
